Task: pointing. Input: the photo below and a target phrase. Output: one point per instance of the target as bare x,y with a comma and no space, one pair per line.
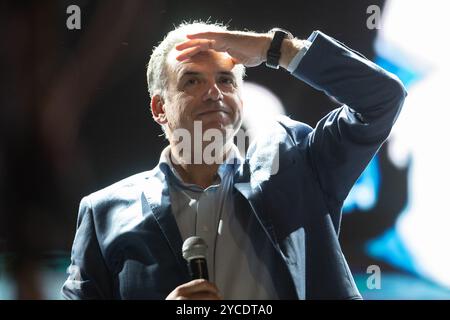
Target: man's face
203,88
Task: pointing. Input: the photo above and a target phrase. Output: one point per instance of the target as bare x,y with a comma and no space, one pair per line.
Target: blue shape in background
370,180
389,246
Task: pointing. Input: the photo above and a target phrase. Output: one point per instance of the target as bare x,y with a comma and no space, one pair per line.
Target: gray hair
157,77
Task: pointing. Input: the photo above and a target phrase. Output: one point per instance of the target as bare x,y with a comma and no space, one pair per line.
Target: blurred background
75,117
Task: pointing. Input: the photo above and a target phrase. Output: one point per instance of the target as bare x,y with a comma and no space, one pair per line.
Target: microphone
194,252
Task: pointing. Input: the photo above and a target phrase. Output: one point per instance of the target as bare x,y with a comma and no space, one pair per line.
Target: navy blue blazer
289,193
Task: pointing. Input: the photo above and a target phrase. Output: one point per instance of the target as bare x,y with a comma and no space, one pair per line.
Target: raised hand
248,48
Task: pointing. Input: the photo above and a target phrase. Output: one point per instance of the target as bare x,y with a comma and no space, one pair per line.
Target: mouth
212,111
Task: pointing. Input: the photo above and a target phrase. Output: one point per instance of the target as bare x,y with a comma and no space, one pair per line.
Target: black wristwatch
274,52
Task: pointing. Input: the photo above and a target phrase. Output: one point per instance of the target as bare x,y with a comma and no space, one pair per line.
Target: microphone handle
198,268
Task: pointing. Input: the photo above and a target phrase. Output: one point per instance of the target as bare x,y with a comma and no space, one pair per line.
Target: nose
213,93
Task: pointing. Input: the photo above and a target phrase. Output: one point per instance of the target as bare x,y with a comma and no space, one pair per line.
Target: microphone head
194,248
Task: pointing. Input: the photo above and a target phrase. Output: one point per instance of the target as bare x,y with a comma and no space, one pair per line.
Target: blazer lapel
160,210
253,194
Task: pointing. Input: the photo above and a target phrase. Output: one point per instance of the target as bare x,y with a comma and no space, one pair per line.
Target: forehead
205,61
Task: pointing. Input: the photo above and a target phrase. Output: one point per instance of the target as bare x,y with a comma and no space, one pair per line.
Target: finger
198,296
186,54
198,285
192,51
196,289
204,296
206,35
204,43
235,61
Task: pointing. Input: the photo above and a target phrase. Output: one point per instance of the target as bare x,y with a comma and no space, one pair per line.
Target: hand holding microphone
194,251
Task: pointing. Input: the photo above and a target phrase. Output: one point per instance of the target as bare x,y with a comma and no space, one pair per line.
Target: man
271,219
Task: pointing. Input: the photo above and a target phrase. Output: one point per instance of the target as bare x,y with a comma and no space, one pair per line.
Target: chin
226,129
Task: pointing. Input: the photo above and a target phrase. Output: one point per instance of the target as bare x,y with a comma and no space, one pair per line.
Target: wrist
289,49
266,41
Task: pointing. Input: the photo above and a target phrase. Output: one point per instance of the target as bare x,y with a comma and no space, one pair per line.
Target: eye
191,81
227,80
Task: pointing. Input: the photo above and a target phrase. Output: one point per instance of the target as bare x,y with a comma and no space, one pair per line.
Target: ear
158,110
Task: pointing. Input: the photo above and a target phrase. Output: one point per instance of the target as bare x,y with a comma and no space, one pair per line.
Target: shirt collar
231,164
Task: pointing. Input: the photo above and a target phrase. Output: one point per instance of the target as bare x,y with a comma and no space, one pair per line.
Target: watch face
273,59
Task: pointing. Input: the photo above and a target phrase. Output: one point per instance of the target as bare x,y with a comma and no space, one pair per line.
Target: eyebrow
195,73
189,73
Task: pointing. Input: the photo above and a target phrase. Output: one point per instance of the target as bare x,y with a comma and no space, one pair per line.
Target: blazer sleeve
343,142
89,277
